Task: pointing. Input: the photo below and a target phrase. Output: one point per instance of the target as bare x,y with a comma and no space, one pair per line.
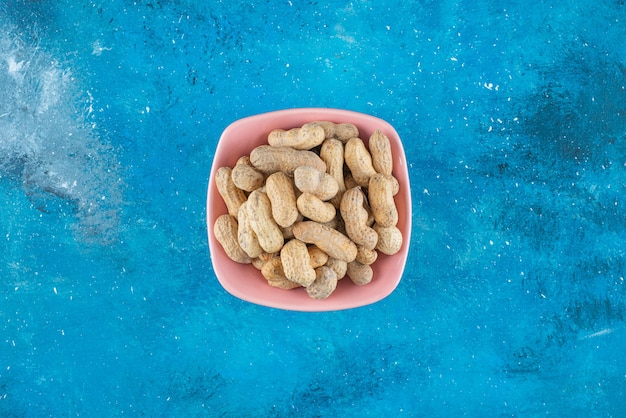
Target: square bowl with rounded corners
244,280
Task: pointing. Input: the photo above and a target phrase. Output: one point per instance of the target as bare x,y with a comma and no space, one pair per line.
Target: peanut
396,185
315,209
268,159
366,255
306,137
381,200
359,160
325,283
279,189
332,242
380,149
339,267
360,274
297,263
233,196
340,131
389,239
272,269
345,131
246,236
260,261
225,231
245,176
267,230
317,257
273,272
332,154
355,218
283,283
309,180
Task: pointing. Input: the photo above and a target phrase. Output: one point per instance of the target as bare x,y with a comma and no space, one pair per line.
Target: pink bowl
246,282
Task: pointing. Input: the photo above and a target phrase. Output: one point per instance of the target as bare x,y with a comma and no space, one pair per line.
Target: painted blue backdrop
513,118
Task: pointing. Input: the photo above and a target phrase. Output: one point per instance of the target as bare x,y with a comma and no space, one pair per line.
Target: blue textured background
513,119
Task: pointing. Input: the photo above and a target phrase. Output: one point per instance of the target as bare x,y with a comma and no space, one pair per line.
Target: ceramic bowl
246,282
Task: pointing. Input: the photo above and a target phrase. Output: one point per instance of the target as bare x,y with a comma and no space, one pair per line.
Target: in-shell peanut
355,218
309,180
331,153
233,196
260,261
279,189
325,283
297,263
332,242
225,231
317,257
273,272
245,176
268,232
315,209
381,200
306,137
359,160
366,255
246,236
389,239
340,131
268,159
380,149
340,267
360,274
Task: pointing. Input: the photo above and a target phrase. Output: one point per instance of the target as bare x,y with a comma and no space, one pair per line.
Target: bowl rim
310,114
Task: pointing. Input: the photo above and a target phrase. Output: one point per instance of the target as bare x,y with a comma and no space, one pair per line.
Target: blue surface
513,118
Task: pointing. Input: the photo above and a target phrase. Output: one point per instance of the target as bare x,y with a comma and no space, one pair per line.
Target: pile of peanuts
311,207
